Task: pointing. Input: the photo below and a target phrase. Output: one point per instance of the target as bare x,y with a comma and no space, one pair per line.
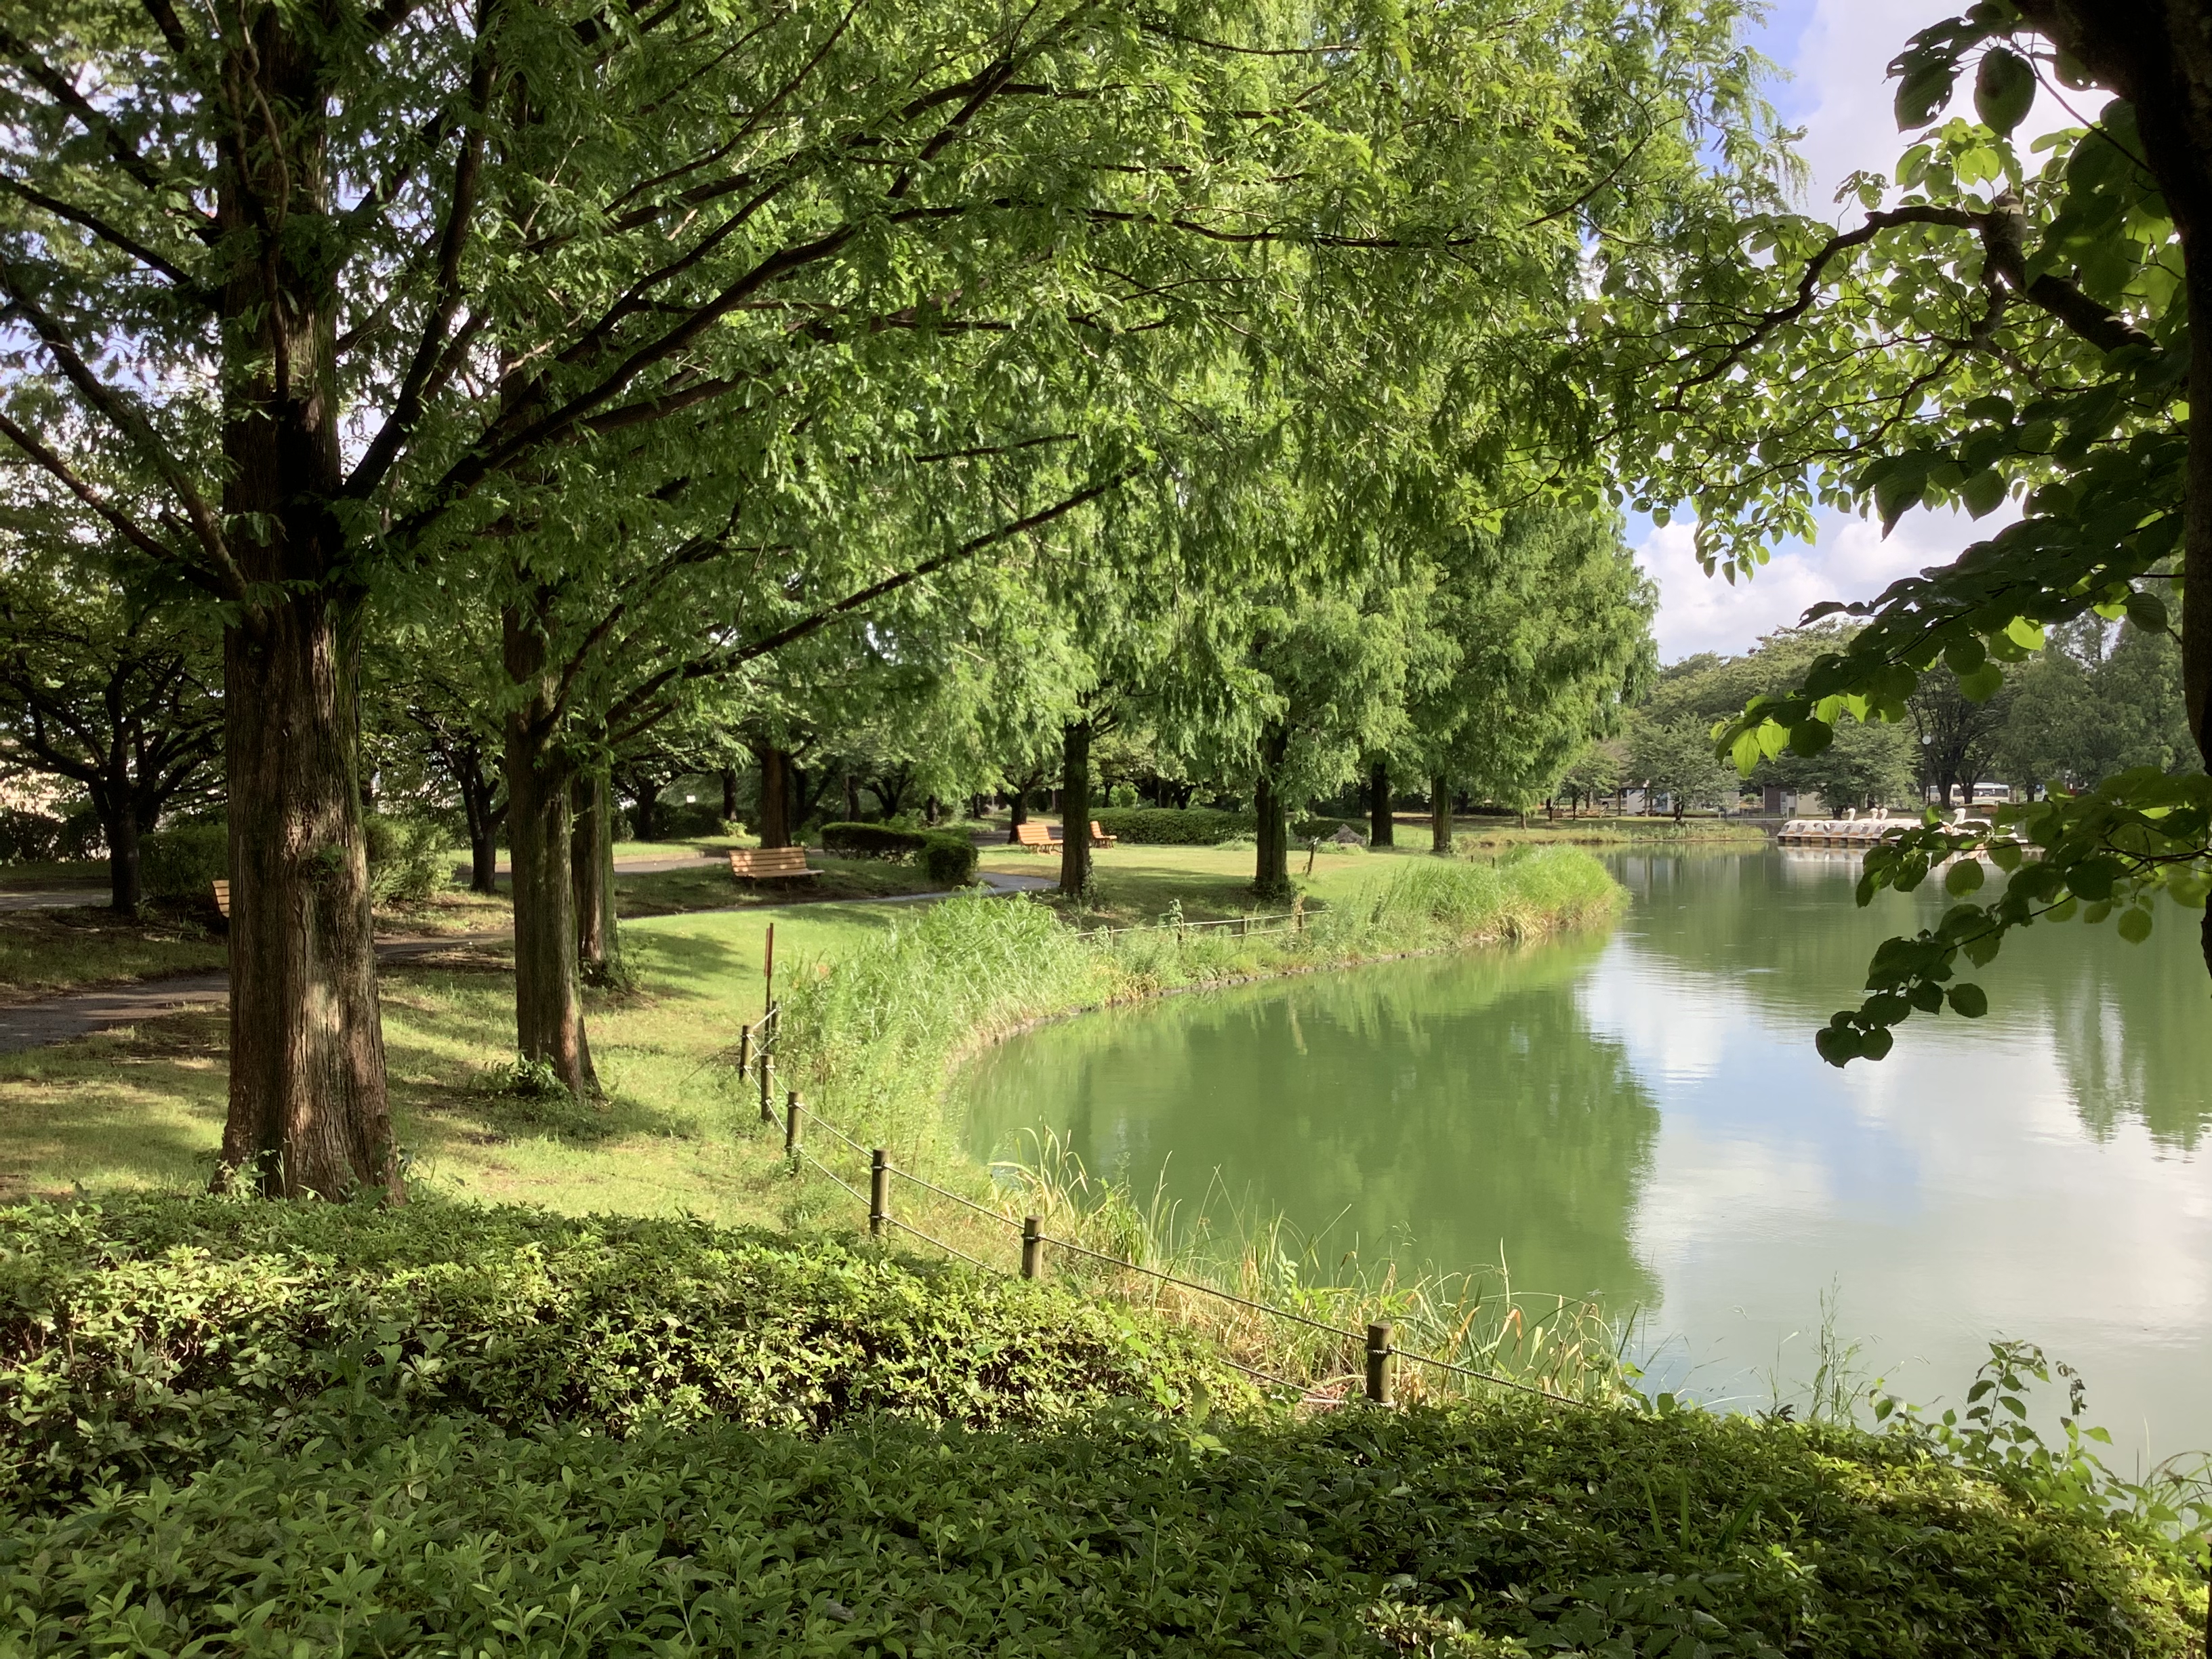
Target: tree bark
1440,816
478,793
308,1110
645,811
729,794
1381,825
1075,808
1271,875
117,808
774,826
592,873
851,799
548,997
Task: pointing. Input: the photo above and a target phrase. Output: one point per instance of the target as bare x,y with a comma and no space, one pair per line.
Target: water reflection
1643,1115
1456,1112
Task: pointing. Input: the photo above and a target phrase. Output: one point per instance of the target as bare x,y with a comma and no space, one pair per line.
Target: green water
1641,1116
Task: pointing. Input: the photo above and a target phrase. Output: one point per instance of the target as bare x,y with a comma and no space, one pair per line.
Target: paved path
55,898
80,1013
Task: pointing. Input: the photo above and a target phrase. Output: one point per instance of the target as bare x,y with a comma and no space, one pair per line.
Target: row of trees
2102,698
596,372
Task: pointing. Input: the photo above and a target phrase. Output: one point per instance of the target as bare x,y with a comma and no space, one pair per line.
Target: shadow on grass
138,1106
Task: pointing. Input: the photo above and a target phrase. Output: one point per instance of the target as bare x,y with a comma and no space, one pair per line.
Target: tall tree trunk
592,873
851,799
774,826
645,811
1075,808
308,1111
1271,875
1017,809
118,813
1382,826
549,998
484,817
729,794
1440,816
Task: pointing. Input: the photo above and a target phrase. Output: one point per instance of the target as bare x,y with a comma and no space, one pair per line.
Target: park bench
1034,837
769,863
1099,837
221,898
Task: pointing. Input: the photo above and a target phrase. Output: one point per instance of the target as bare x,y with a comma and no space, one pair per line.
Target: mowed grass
45,952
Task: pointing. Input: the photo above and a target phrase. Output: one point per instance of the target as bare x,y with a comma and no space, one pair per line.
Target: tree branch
106,233
121,412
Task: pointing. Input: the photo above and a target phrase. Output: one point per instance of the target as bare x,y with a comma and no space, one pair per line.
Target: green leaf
2147,612
1924,90
1982,684
2025,634
2004,88
1965,656
1963,877
1969,1001
1810,737
1983,493
2134,924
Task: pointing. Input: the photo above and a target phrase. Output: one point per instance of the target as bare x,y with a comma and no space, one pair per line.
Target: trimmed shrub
408,859
28,838
871,840
1159,826
948,858
181,863
142,1336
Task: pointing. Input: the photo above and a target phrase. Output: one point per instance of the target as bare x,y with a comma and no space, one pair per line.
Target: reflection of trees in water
1437,1111
2128,1022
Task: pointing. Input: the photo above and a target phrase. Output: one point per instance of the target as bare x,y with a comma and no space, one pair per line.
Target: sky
1837,53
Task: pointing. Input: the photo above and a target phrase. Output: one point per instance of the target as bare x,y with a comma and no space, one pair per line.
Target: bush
28,838
81,836
1159,826
1121,795
948,860
1321,829
871,840
408,859
183,862
148,1334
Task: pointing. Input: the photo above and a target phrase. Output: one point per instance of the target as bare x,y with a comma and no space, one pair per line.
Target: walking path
79,1013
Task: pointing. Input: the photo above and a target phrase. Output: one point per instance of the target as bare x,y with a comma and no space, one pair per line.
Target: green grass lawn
45,952
34,877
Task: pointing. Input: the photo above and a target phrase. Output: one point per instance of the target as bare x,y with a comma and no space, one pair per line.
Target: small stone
839,1611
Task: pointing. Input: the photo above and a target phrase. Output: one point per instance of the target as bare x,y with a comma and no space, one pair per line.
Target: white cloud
1850,560
1841,93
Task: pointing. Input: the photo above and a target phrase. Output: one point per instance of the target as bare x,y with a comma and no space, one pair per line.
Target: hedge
183,862
942,856
1165,826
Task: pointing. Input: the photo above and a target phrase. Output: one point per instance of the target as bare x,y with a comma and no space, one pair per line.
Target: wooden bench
769,863
1034,837
223,899
1099,837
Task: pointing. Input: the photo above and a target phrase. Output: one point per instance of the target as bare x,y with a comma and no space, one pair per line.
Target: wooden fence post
1382,1365
768,1113
1032,1246
790,1125
879,1191
744,1049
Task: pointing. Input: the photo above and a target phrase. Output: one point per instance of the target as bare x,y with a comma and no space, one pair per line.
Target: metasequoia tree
1993,330
350,293
1536,634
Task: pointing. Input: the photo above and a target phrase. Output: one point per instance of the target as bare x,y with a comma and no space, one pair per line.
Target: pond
1640,1116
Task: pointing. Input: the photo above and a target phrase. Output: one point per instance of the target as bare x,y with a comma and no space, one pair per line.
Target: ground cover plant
444,1430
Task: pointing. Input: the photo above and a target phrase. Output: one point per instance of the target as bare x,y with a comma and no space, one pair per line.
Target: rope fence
1379,1348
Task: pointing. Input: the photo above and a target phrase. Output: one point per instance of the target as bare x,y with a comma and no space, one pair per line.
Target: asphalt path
80,1013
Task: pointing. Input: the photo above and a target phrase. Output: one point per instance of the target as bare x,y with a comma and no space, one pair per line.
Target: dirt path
80,1013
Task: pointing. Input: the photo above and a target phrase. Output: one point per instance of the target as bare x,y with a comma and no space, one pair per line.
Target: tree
1958,736
102,689
1596,773
1675,757
408,294
1992,333
1533,638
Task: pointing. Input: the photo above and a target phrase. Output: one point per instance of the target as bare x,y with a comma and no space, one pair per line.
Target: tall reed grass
872,1043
